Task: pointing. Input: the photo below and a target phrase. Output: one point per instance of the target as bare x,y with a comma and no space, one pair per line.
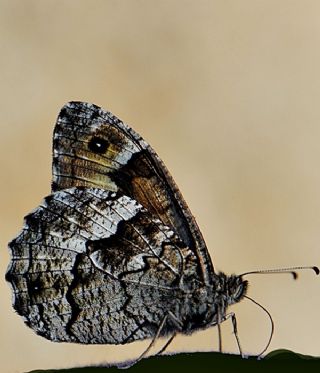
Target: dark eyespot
98,145
35,285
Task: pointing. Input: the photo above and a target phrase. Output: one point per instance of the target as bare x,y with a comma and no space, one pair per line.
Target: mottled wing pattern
114,250
93,148
94,266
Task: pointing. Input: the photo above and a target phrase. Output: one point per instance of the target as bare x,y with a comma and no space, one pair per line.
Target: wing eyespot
98,145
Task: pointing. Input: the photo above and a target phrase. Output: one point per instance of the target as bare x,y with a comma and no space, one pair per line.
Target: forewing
93,148
93,266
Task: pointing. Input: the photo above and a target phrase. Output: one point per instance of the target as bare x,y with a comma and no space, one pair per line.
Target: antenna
291,270
271,320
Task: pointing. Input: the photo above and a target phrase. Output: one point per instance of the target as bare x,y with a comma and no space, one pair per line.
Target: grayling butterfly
114,255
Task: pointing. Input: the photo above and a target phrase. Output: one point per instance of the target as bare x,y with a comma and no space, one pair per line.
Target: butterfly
114,254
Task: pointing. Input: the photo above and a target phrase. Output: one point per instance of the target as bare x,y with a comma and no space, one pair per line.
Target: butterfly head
233,288
237,288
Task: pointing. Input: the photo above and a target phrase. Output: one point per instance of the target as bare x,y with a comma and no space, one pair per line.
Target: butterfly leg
167,344
179,325
219,337
157,335
233,318
232,315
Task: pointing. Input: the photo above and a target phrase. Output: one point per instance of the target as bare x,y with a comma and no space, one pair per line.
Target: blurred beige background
227,92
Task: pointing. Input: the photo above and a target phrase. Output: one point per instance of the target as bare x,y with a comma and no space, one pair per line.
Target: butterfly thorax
207,305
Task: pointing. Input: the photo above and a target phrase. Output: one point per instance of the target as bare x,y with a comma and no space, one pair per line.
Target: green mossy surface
202,362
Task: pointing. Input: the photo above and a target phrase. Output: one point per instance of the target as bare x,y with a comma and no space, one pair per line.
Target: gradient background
227,92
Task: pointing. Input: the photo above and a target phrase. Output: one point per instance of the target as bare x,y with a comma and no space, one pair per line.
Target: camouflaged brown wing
93,266
93,148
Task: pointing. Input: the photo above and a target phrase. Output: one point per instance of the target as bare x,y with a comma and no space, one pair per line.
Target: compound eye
98,145
238,292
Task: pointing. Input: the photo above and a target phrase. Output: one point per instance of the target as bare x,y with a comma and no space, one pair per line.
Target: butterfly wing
94,266
93,148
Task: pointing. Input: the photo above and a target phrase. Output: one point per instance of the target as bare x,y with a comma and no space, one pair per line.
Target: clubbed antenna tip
294,275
